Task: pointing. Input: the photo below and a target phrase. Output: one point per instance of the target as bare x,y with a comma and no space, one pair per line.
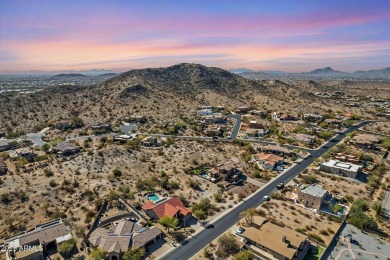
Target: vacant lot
300,219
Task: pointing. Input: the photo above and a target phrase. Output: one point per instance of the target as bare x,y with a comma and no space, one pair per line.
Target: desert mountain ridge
321,72
164,94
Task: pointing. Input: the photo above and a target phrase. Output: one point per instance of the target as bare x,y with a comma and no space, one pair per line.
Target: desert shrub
316,237
48,173
227,246
309,179
194,184
324,232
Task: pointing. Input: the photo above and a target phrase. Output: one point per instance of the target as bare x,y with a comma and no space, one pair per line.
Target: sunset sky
292,36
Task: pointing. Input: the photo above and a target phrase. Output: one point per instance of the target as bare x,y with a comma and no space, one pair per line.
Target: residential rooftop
314,190
281,240
342,165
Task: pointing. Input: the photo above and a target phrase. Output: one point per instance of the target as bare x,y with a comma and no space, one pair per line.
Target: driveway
237,125
127,128
36,138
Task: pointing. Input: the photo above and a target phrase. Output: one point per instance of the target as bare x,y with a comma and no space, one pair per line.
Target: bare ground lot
379,127
300,219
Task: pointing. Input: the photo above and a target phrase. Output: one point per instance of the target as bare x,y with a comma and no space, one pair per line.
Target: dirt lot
379,127
246,190
300,219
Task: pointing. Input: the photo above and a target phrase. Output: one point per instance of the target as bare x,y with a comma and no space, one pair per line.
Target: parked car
240,231
209,226
215,137
280,185
280,168
184,242
266,198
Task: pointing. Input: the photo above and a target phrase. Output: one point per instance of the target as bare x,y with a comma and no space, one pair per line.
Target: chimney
284,239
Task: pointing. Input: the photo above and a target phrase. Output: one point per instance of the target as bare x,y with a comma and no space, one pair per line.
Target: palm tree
169,222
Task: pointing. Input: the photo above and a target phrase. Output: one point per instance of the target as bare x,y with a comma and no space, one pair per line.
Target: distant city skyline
290,36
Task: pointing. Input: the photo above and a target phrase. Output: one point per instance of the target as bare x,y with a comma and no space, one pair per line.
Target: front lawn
311,256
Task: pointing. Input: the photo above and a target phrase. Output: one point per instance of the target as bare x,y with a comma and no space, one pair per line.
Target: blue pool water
204,175
153,197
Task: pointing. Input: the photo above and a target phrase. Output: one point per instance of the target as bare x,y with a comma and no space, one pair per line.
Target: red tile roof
269,157
168,208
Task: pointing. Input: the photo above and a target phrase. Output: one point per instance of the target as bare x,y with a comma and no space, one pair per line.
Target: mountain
112,74
327,70
68,76
91,72
244,71
374,73
185,78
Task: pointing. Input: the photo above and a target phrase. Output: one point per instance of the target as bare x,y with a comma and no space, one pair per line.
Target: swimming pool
204,175
153,197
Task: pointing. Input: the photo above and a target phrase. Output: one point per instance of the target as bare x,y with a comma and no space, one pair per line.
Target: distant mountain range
69,75
79,75
92,72
323,72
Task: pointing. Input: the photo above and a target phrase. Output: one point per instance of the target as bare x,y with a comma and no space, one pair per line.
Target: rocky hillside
118,96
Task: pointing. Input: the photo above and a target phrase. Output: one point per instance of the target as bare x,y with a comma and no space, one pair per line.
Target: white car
266,198
240,231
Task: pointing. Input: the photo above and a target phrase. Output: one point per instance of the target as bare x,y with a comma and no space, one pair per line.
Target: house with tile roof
172,207
121,236
268,161
65,148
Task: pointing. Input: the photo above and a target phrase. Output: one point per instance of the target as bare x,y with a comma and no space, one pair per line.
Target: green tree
386,142
335,208
204,205
200,214
169,222
97,254
65,248
45,147
243,255
134,254
359,218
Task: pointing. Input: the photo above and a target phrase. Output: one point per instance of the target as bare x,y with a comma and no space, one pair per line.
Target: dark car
280,186
209,226
215,137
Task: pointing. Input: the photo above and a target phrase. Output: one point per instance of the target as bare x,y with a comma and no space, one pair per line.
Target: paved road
222,224
89,136
237,125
